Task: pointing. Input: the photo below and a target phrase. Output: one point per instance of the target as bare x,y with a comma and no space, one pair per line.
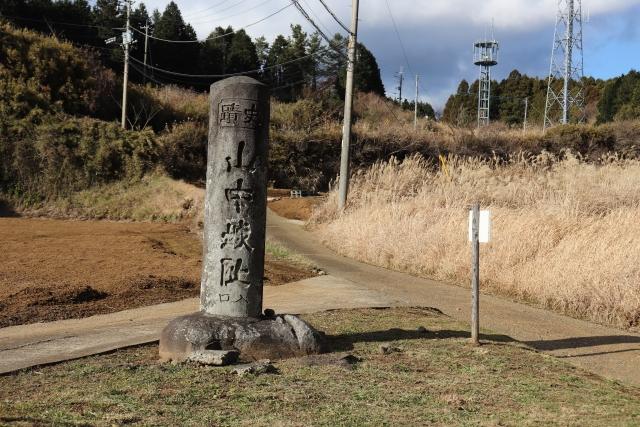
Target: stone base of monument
276,337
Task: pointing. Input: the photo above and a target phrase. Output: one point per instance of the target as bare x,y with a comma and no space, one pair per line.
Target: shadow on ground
6,210
585,342
345,342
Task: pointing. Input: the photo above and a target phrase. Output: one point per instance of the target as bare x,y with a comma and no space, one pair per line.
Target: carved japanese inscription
235,202
238,112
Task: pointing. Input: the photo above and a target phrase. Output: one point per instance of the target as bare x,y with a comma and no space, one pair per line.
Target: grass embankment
154,197
565,233
436,379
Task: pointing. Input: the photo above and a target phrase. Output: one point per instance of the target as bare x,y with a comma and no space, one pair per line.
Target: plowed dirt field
55,269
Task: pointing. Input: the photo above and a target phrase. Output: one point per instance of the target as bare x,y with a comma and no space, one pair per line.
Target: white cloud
437,34
506,14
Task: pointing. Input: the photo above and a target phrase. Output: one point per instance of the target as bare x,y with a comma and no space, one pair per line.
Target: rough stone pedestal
280,337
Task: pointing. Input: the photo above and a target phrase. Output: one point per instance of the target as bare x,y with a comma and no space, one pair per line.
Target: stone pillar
230,317
236,198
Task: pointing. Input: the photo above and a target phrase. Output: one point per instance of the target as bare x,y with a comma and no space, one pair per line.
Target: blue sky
438,34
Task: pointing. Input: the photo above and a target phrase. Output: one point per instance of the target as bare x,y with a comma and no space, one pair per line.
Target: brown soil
299,208
278,192
53,269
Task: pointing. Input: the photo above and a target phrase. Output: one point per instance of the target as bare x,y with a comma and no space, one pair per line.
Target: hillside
58,133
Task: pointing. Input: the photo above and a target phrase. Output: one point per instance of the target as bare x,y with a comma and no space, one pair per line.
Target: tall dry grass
566,234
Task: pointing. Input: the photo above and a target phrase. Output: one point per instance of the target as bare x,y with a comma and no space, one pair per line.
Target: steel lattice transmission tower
485,55
567,66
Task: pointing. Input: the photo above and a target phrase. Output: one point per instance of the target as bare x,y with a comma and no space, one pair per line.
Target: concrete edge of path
38,344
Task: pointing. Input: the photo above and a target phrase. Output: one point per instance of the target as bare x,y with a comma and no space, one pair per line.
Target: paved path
609,352
43,343
606,351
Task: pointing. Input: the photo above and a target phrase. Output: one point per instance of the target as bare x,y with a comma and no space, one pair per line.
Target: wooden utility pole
400,82
126,42
526,112
475,275
146,47
415,109
348,106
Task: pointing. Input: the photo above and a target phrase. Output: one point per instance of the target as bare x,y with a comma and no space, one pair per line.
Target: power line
223,10
197,12
222,35
322,34
313,12
233,15
335,17
216,76
404,51
71,24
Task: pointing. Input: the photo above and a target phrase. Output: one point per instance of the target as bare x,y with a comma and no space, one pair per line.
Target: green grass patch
279,251
436,379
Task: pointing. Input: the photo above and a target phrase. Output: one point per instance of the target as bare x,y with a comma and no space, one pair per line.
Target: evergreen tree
367,73
108,16
215,52
177,57
366,76
262,51
139,19
315,63
242,54
620,99
280,75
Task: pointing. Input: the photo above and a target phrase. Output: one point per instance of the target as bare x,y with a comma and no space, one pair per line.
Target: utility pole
146,47
415,109
526,112
348,105
126,41
475,275
400,81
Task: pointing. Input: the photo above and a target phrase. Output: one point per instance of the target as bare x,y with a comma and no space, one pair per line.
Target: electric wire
231,16
223,10
306,16
335,17
404,51
258,70
315,15
220,36
71,24
197,12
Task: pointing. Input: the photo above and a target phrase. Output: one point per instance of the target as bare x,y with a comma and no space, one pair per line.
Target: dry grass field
566,234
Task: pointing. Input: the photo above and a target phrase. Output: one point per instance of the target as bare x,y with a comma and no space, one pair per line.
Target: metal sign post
479,232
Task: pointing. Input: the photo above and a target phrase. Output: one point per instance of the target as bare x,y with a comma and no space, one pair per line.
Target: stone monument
230,316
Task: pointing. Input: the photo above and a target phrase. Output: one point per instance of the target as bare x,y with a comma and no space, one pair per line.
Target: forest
616,99
290,64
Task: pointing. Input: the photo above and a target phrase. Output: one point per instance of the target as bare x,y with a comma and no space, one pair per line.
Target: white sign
484,234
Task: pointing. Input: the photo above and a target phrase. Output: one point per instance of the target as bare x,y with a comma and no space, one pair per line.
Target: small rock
257,368
214,357
348,361
422,329
388,348
269,313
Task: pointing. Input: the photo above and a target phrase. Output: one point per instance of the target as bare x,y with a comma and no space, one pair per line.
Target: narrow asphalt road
606,351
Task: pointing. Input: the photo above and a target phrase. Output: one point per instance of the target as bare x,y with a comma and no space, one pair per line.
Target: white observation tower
485,55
